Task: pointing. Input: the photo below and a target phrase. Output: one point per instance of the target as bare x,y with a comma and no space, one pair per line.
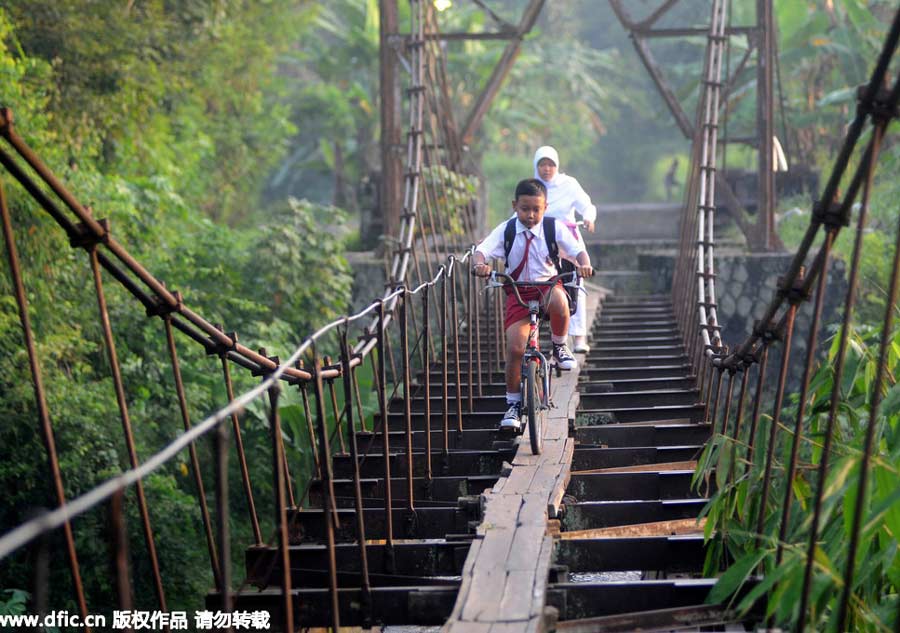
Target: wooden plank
523,454
465,585
667,422
551,454
508,627
545,481
568,452
534,510
558,491
496,547
537,625
642,468
546,478
505,472
539,597
483,602
500,512
464,626
471,557
686,618
504,578
572,407
658,528
526,548
556,432
517,596
519,481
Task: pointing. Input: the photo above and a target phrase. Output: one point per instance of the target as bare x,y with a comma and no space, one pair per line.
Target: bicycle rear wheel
534,388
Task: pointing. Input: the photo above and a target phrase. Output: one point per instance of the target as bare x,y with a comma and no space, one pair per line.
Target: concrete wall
644,221
745,284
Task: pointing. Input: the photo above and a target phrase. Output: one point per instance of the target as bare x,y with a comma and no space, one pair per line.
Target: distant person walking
565,197
670,182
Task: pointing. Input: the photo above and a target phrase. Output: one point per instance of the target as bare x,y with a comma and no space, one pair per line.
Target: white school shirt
539,266
565,196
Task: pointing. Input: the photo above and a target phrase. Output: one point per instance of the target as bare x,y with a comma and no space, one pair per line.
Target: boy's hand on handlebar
481,270
585,271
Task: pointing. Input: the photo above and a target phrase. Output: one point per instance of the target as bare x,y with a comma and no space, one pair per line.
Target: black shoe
564,357
512,419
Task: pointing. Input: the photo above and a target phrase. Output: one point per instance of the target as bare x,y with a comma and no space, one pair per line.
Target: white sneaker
512,419
564,357
581,344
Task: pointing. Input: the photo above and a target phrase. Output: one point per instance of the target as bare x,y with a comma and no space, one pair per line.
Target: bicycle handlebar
508,282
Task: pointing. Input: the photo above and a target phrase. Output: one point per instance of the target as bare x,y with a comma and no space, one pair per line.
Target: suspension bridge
422,513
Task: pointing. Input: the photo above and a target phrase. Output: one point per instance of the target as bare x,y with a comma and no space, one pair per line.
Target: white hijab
546,151
564,194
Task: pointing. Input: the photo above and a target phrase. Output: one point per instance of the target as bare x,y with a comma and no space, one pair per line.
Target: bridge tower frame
391,46
760,233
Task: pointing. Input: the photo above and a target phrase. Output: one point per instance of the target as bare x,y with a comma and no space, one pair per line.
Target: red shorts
516,312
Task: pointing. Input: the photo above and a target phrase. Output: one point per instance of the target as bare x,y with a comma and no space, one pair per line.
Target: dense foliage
168,119
734,508
826,52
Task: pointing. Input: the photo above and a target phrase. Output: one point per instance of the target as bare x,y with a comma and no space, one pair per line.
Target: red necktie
518,271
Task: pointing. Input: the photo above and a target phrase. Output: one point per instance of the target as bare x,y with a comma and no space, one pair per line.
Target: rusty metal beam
501,70
656,15
668,95
391,194
496,18
765,126
692,32
760,233
646,56
680,617
487,35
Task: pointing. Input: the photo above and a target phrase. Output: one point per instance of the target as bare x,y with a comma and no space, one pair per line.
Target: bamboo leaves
732,508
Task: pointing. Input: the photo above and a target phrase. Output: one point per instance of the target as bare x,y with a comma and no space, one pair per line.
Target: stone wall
745,284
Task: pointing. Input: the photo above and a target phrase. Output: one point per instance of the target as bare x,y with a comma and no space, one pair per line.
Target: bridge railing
430,309
693,283
748,496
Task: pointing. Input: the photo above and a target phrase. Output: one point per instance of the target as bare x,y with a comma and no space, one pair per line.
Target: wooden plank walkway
504,577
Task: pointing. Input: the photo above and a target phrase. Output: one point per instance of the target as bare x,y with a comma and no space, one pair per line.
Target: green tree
149,154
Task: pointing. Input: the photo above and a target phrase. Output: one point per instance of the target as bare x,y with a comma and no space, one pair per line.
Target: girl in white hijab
565,197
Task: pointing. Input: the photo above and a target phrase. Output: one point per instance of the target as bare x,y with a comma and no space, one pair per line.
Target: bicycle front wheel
534,388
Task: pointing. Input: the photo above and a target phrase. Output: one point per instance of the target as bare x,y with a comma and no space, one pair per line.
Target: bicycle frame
535,315
533,352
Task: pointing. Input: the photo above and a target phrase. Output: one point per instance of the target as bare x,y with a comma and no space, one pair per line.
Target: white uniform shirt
539,266
565,196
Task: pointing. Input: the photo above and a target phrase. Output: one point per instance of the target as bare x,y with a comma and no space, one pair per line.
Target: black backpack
562,265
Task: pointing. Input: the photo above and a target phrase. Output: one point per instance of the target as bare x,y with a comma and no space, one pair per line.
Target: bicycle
535,377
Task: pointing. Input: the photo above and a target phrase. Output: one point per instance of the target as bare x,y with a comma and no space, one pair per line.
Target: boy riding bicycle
529,259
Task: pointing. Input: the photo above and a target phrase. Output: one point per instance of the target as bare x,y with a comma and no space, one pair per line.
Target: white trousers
578,321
